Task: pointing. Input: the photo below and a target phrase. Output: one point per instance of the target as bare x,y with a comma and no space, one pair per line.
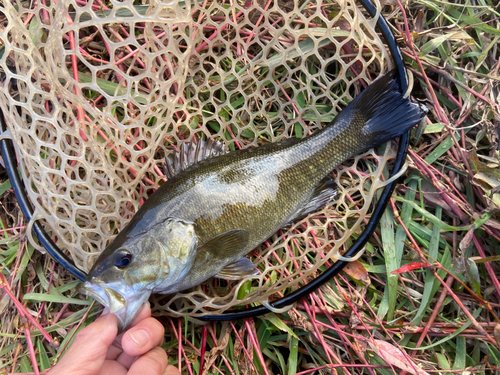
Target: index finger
89,347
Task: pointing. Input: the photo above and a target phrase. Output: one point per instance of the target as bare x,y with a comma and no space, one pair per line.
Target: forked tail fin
382,112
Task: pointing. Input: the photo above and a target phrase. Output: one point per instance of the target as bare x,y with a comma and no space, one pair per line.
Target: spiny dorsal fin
239,269
191,153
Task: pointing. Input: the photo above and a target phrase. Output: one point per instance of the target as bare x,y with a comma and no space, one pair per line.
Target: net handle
9,156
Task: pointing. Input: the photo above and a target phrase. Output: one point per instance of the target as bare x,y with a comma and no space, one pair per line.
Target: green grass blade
441,149
425,233
391,263
24,261
469,21
434,43
42,356
460,354
278,323
430,280
305,46
443,361
111,88
5,186
40,297
25,365
433,219
475,314
406,212
292,358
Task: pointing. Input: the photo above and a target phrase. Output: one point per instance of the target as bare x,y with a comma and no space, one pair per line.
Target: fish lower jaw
126,305
129,312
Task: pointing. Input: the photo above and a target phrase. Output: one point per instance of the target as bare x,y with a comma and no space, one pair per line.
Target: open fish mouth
93,291
104,295
125,309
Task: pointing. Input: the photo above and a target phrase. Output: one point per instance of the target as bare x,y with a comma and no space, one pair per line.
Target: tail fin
383,112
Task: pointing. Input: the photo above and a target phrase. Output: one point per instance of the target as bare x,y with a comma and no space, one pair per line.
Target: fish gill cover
97,95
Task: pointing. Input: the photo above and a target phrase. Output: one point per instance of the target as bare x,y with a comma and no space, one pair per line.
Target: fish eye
122,259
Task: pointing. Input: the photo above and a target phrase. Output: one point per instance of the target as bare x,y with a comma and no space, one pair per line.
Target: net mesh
98,92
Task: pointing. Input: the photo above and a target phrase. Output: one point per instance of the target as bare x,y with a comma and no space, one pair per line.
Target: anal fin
243,267
324,192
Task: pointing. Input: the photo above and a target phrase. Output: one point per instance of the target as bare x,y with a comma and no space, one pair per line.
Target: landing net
97,93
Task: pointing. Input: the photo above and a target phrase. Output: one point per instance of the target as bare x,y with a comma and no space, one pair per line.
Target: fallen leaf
357,271
216,351
465,243
356,318
496,333
396,357
411,267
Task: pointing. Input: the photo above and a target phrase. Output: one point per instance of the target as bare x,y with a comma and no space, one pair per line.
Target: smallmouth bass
216,207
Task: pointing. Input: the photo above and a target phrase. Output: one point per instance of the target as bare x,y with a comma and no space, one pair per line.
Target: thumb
87,353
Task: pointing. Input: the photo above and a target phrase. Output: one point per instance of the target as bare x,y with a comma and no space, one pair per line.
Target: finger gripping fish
216,207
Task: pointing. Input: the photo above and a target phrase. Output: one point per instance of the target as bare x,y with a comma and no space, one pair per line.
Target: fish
217,206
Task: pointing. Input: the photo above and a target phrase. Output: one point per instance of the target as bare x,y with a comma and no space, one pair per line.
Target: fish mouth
105,295
93,291
125,309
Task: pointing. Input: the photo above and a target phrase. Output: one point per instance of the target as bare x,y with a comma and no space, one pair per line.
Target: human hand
97,350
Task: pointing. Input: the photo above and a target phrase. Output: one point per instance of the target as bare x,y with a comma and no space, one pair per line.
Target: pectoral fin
241,268
224,245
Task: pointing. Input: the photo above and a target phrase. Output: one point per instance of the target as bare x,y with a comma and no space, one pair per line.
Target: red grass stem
435,312
487,265
330,366
203,348
243,346
252,334
31,348
22,310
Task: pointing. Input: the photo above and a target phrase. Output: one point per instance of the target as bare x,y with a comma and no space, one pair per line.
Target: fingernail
140,337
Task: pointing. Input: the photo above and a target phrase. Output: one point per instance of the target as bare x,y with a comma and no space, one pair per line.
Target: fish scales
209,215
254,187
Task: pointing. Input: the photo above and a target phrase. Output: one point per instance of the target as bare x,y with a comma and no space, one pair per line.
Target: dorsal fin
191,153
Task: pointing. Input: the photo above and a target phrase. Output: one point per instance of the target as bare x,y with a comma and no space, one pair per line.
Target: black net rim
9,156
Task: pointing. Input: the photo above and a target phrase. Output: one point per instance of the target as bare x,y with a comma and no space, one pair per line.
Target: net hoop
9,156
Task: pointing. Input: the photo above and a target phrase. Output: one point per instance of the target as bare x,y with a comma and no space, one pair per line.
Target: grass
425,298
